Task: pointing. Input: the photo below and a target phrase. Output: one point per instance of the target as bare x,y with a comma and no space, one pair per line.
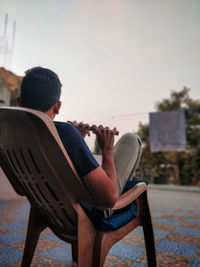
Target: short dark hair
40,89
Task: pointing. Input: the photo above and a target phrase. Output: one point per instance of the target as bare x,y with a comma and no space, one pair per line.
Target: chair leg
36,225
75,251
85,252
148,234
101,249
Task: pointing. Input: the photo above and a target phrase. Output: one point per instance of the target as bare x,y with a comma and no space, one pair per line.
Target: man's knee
132,139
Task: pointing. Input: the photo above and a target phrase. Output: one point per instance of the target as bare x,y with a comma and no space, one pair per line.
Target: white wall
6,190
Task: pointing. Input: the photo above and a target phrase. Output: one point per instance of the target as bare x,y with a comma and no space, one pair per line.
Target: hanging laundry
167,130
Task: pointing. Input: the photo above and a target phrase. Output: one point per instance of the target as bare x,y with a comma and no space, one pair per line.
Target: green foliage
179,167
97,149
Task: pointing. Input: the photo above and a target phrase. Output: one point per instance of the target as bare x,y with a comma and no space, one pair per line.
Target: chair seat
118,219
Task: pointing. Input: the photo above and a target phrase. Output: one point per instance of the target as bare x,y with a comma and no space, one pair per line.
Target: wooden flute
89,128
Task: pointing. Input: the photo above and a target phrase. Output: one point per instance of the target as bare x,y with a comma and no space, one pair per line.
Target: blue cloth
118,219
77,149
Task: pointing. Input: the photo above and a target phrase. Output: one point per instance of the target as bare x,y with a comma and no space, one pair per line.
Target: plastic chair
37,165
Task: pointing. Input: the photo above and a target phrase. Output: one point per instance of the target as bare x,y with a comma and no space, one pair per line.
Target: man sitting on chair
40,90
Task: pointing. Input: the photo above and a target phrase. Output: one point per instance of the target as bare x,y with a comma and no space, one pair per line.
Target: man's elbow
108,201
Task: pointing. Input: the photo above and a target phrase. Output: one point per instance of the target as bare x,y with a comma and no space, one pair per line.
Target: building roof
11,80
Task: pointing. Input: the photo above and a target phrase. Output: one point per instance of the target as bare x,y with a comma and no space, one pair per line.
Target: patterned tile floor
176,219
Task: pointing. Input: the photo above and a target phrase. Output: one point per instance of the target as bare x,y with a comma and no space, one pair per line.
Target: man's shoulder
66,128
64,125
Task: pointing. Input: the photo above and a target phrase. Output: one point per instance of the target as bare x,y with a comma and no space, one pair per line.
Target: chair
37,165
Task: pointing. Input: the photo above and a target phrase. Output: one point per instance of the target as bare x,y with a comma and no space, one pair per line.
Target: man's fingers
75,123
94,128
87,126
101,127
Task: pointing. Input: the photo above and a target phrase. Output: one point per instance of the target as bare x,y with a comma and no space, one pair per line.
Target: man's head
40,89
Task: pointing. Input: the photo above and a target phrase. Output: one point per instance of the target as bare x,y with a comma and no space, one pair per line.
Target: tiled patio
176,218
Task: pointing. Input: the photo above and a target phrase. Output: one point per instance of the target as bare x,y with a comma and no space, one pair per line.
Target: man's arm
102,182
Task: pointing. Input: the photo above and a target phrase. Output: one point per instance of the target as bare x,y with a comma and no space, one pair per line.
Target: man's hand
82,127
105,137
85,129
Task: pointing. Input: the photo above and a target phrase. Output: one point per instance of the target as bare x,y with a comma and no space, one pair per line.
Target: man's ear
57,107
19,102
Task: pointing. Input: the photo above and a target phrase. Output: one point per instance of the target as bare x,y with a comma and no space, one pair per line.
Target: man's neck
51,114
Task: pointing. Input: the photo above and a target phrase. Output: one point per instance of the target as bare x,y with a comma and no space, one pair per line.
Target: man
40,90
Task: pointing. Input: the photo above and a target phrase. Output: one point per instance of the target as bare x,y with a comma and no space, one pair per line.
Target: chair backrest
35,161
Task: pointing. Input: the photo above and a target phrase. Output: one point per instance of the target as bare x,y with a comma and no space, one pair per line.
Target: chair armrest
129,196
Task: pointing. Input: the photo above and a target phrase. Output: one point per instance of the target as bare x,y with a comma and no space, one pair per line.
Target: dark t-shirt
76,147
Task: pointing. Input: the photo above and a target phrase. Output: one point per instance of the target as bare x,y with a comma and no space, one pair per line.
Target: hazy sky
114,57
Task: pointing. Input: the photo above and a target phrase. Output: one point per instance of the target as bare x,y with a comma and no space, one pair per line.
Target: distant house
9,87
9,91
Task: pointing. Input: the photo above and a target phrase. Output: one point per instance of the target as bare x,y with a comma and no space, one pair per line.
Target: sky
115,58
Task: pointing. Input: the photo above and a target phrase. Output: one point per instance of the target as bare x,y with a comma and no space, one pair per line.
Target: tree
97,149
179,167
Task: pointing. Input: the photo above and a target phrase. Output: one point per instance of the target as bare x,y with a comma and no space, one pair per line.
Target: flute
88,127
